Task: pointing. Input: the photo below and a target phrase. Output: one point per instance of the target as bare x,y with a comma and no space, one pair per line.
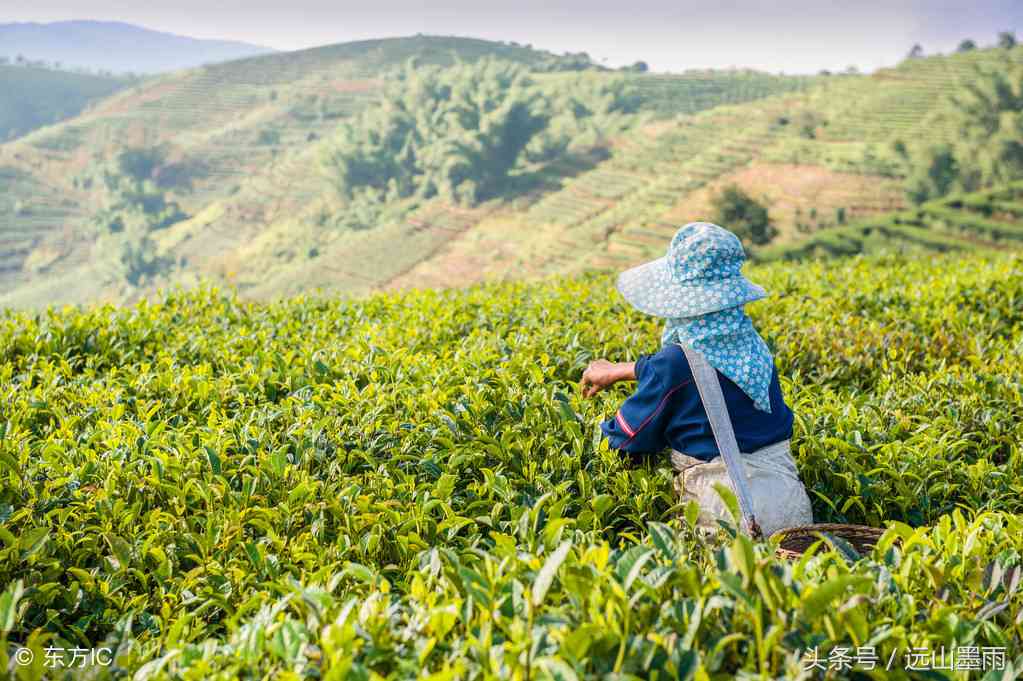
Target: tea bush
409,485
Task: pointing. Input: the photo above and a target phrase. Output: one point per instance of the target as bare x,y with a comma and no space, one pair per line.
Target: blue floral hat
700,274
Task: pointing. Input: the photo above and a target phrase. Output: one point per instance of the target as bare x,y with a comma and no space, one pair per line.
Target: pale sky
671,35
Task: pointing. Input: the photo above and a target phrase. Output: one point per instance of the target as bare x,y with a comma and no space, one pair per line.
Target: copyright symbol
24,656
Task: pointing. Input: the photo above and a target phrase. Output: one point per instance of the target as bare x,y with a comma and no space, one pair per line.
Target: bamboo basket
796,540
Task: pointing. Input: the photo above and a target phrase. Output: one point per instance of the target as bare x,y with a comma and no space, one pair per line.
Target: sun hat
700,274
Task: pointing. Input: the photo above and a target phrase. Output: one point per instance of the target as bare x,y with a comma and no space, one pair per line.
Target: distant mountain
115,46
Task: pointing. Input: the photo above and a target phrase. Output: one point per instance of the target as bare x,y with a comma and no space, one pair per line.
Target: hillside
410,484
116,47
989,220
243,144
817,158
31,97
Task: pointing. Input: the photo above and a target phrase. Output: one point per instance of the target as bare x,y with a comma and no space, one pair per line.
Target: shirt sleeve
639,424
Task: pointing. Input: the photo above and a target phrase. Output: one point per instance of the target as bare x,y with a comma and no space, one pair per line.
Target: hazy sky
791,36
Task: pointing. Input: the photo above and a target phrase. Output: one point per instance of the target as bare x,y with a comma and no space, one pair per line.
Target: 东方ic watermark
66,658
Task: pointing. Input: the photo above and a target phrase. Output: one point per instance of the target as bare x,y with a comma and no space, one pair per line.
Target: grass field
409,485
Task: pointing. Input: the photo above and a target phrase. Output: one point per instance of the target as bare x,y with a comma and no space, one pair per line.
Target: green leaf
121,549
820,598
547,572
214,460
663,537
843,547
9,539
9,462
692,513
638,560
9,605
33,541
252,551
360,572
731,502
279,462
743,556
567,415
557,669
445,485
686,661
602,503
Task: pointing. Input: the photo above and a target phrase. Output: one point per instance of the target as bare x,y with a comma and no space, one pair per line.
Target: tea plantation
410,485
988,219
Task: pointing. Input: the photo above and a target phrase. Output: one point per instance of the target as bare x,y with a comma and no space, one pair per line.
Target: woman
699,290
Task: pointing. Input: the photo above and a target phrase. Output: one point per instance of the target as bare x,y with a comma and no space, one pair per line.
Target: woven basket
796,540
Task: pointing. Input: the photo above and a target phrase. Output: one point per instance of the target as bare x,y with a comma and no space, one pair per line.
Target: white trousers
779,498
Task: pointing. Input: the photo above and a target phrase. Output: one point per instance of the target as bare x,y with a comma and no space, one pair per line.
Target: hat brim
649,288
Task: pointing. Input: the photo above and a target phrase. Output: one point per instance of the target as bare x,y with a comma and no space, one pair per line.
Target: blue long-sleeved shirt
666,411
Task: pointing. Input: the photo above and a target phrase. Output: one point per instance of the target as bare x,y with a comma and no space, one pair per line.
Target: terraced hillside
244,142
247,136
31,214
985,220
226,126
670,95
819,158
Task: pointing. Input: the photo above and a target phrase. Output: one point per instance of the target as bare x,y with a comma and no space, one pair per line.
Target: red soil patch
355,85
792,192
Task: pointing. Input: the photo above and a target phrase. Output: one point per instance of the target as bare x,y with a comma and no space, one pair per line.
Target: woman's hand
601,374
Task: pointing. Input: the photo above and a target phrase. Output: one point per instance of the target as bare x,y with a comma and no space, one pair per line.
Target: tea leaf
545,577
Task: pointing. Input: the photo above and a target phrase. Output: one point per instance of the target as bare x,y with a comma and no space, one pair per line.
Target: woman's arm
601,374
641,422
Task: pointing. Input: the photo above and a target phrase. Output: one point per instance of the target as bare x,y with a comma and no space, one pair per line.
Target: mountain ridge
117,46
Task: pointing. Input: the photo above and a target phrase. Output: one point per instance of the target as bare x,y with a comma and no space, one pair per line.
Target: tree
140,260
935,177
585,111
140,163
807,123
966,46
458,133
739,212
269,137
134,207
916,52
987,114
1006,40
637,67
900,148
455,132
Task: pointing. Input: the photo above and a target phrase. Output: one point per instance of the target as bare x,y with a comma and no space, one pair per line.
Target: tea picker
710,396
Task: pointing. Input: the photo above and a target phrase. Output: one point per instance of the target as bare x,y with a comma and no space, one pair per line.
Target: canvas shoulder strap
713,399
